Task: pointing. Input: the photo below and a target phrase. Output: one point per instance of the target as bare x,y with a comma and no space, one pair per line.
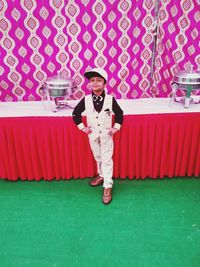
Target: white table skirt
129,106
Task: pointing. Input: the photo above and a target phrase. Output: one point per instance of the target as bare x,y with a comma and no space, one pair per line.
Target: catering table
156,140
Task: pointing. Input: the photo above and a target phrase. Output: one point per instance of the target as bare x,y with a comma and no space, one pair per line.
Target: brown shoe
97,181
107,195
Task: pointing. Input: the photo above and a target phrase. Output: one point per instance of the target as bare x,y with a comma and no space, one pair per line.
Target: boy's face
97,84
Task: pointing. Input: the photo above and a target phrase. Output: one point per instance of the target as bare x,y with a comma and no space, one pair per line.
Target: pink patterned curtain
39,38
178,45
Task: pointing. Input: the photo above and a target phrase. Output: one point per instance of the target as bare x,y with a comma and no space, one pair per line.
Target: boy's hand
112,131
87,130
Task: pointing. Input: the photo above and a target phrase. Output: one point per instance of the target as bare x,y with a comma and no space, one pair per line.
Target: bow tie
97,98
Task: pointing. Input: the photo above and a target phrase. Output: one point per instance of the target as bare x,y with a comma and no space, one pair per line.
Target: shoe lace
107,191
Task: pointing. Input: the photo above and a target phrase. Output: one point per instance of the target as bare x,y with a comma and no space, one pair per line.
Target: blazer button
100,132
98,124
97,117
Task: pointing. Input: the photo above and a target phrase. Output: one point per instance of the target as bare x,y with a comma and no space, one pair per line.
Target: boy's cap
96,72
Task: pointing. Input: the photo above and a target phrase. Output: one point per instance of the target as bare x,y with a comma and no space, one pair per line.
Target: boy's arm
118,114
76,115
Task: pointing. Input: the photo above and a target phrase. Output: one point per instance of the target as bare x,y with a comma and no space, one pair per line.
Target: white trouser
102,148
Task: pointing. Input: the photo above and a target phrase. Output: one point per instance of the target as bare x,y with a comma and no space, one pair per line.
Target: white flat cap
96,72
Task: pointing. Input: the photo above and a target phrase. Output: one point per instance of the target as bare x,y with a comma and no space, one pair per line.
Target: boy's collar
102,94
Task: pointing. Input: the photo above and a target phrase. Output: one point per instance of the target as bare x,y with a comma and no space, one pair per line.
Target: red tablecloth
156,145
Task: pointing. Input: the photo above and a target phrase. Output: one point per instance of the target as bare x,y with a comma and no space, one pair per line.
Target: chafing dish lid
57,81
188,76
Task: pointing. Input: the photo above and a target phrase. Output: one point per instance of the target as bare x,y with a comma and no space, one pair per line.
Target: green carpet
149,223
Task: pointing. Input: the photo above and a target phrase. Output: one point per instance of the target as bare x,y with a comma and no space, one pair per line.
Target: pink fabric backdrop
38,38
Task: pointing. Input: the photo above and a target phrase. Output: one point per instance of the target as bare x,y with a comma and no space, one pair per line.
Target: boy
98,108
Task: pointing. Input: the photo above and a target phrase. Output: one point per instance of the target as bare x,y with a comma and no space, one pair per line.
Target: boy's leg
107,147
96,150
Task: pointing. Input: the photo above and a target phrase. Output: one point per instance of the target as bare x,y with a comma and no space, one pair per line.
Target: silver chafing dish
187,80
58,90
